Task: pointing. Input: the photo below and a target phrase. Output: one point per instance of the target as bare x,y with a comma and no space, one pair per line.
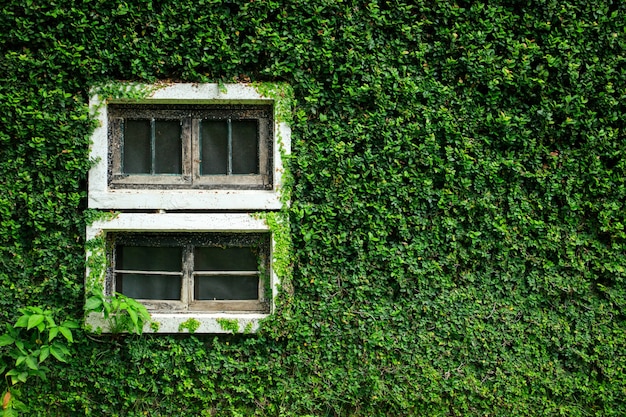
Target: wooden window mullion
186,293
152,146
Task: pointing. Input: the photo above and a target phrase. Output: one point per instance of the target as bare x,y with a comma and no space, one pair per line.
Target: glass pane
137,157
225,259
245,147
168,147
221,287
149,258
149,287
214,146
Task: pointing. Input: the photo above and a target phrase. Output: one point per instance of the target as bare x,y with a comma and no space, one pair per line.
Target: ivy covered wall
457,211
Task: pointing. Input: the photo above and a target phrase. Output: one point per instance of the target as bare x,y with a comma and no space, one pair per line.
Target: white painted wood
178,222
170,322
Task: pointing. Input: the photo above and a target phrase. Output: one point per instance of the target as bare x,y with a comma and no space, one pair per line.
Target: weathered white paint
170,323
184,222
102,197
178,222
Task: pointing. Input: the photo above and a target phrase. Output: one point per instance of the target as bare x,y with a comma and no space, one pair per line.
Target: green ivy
455,242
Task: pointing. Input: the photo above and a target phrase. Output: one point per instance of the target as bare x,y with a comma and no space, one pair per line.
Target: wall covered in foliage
458,205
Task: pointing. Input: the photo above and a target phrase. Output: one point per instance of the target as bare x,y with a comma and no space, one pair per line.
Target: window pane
225,259
245,147
149,287
137,155
149,258
168,147
232,287
214,147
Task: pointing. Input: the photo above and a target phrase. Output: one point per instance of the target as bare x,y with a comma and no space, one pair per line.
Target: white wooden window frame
102,196
169,322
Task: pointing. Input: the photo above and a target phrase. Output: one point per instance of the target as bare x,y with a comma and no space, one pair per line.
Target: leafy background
457,208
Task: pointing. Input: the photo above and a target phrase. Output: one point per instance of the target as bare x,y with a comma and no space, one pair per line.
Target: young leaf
133,316
93,304
20,359
67,333
59,352
31,362
45,352
22,321
53,333
34,321
6,339
71,324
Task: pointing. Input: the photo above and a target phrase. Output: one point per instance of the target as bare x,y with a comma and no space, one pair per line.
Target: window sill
179,323
126,199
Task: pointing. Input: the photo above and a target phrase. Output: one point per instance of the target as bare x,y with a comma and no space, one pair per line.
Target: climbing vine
453,236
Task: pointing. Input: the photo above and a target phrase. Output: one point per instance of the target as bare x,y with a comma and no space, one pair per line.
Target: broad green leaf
93,304
31,362
20,359
22,321
6,339
45,352
20,345
59,352
71,324
133,316
34,321
67,333
50,320
53,333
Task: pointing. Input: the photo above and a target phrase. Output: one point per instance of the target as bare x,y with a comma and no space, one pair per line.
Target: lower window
208,272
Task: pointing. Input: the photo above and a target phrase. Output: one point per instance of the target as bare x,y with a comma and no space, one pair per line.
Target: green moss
229,325
248,328
191,325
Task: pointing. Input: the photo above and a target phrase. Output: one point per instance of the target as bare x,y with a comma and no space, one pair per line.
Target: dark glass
245,147
225,259
137,157
168,154
226,287
149,287
214,147
149,258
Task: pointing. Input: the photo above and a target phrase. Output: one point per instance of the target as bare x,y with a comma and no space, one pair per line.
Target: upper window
190,146
187,147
